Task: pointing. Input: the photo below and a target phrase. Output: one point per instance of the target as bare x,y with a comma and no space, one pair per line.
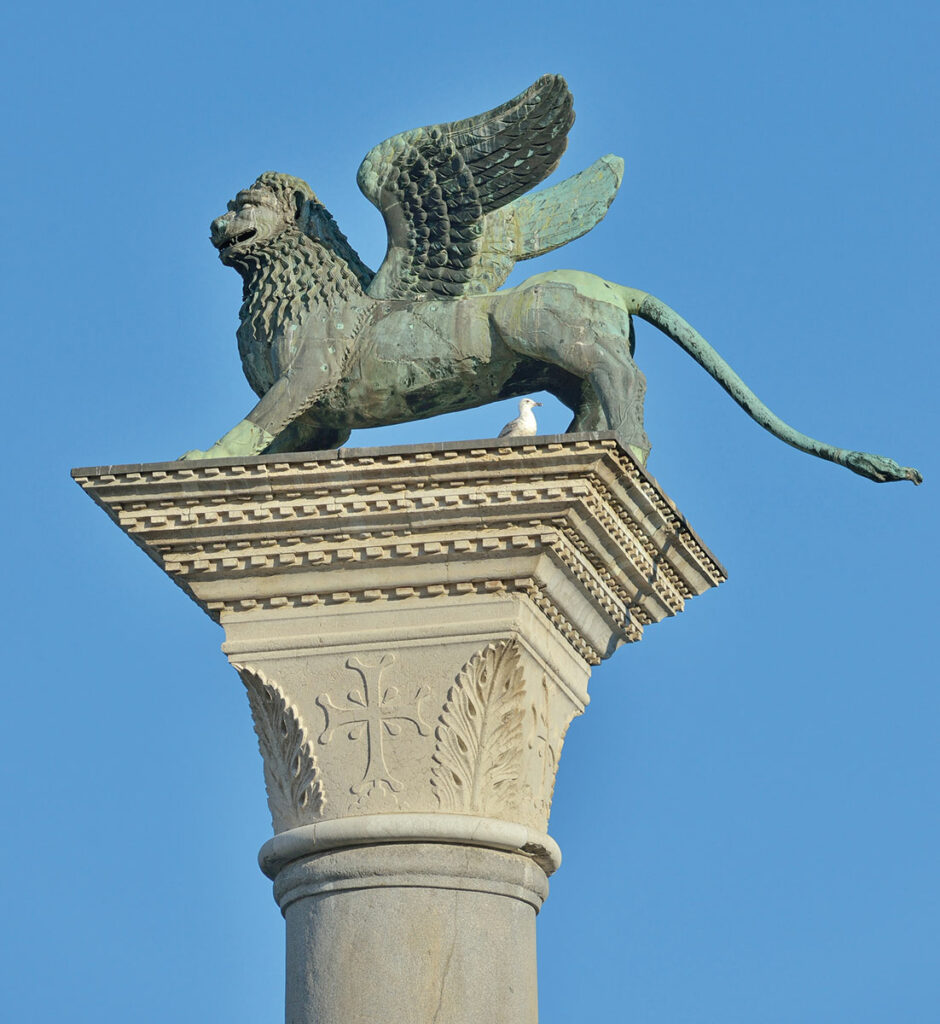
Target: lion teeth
238,239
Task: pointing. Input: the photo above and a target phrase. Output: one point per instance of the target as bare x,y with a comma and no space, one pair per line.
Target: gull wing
436,186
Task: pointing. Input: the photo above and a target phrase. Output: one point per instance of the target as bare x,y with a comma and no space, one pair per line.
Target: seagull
524,424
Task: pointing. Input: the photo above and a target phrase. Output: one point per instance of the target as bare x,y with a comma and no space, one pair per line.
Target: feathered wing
436,187
535,224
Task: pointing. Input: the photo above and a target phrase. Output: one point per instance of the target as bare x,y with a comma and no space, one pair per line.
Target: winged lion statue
329,346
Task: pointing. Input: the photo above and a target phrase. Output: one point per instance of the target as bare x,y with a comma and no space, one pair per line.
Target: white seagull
524,424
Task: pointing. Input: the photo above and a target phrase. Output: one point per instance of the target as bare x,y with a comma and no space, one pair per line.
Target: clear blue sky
749,809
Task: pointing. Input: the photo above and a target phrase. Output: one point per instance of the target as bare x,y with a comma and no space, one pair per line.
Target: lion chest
311,343
302,310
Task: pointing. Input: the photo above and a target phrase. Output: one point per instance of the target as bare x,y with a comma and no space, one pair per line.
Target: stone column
415,628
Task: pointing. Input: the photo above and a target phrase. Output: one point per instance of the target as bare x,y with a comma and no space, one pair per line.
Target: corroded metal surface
330,346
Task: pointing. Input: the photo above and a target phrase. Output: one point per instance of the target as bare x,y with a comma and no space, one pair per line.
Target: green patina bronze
329,346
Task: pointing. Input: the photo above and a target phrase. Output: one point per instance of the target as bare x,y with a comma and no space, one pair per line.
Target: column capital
416,626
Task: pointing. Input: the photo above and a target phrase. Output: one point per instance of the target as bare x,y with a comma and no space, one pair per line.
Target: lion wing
541,221
437,187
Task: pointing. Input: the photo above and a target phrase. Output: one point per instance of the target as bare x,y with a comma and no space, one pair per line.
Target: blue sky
749,809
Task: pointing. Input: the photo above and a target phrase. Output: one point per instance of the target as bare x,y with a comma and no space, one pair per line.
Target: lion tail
647,307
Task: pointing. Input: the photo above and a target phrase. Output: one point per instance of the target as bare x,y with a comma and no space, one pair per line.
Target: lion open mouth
238,239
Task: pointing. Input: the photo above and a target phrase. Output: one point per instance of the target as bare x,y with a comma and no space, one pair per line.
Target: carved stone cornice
550,520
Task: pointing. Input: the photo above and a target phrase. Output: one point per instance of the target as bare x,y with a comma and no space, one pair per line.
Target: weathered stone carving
547,750
321,536
478,754
375,712
295,794
329,346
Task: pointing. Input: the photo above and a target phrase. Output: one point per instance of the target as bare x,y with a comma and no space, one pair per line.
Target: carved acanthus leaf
541,741
477,758
291,775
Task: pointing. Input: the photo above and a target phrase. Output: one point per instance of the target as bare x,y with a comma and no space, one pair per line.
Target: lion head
258,215
291,257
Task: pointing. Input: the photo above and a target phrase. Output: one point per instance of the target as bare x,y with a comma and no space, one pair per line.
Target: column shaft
411,933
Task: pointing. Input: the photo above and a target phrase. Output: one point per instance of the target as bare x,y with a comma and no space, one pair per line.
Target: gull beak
536,403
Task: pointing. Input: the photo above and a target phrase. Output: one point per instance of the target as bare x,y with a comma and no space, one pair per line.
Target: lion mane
296,272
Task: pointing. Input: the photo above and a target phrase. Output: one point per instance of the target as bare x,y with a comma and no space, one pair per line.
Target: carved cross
375,712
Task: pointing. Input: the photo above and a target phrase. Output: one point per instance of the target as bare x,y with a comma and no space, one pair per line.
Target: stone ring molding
372,829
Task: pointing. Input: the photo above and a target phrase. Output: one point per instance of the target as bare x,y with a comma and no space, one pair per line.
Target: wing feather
436,185
541,221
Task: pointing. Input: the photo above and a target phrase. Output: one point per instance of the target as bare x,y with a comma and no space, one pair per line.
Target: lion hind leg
556,319
612,399
589,413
